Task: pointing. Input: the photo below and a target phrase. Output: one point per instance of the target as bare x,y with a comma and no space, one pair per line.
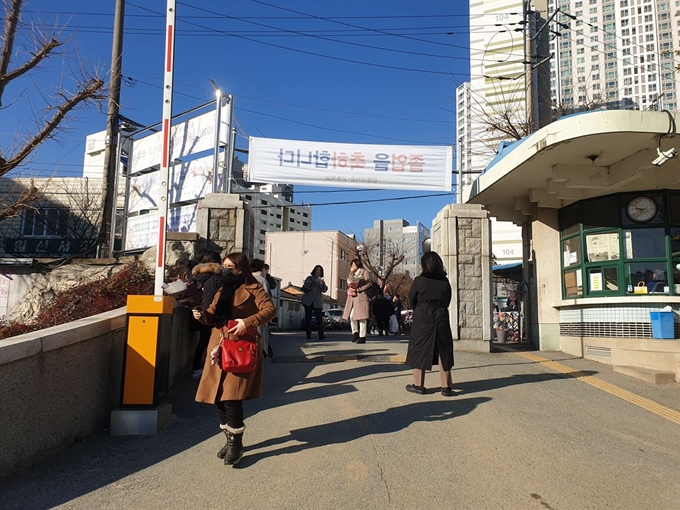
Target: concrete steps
646,374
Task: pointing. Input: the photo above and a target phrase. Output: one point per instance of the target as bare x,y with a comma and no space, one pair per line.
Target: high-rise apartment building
396,237
614,54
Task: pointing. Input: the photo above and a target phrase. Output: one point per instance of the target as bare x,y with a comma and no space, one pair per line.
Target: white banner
189,180
189,137
410,167
142,231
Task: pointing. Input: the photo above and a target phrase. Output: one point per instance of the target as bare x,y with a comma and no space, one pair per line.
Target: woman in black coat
431,341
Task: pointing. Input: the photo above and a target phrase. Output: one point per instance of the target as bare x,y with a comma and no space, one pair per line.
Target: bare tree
381,258
89,89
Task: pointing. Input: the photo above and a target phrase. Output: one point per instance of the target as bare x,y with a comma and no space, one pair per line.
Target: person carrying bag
239,307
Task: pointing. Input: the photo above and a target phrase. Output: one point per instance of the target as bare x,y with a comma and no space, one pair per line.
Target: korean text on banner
408,167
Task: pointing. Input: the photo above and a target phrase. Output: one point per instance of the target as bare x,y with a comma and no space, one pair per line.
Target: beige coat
252,304
361,303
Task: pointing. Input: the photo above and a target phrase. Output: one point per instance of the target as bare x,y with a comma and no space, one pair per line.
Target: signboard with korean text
189,180
142,230
408,167
187,138
47,248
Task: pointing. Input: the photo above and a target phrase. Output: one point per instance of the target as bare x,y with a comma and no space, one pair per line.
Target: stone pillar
226,222
461,235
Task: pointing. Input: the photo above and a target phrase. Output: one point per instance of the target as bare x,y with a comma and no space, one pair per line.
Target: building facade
397,237
292,256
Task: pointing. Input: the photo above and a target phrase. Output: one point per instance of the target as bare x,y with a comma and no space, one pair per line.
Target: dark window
45,222
601,213
674,207
644,243
570,217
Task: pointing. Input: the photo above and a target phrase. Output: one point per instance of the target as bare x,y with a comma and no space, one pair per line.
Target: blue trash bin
663,324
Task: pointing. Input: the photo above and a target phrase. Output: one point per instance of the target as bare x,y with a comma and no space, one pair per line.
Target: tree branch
91,90
22,202
11,22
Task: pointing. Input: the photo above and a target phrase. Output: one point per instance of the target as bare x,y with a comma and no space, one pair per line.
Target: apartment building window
343,284
52,221
305,224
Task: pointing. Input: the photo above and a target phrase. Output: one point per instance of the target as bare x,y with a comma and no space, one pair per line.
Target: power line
305,52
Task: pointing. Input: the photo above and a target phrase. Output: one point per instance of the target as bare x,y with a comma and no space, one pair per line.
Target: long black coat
431,336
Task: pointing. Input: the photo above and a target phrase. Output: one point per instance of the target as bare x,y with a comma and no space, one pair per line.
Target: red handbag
239,356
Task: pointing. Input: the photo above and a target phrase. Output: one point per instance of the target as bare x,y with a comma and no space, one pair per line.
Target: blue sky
288,80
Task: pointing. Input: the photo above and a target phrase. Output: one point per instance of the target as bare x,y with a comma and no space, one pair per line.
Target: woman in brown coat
358,306
243,299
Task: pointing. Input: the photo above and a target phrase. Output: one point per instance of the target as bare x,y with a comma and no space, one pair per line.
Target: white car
333,320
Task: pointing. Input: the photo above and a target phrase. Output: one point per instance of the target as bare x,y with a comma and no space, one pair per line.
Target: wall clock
641,209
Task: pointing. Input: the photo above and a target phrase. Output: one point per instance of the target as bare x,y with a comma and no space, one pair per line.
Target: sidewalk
336,429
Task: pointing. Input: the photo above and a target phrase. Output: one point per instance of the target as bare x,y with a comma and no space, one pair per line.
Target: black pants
383,324
308,320
231,413
203,340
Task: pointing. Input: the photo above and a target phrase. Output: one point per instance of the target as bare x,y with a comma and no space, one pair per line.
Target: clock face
641,209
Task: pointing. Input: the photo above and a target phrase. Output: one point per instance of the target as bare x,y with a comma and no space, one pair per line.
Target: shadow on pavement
464,388
385,422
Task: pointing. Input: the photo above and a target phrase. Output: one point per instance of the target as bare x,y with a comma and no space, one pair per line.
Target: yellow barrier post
144,409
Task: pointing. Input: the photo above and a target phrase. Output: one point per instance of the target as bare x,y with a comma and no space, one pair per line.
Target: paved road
520,434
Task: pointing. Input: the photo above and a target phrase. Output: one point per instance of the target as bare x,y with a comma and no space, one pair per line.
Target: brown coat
361,303
252,304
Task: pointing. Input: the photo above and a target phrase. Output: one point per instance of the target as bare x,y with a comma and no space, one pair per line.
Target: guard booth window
624,244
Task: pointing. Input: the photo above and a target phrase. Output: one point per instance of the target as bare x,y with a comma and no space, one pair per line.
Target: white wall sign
410,167
142,230
189,180
189,137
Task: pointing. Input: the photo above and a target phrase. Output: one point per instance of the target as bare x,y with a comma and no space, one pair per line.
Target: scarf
225,305
356,276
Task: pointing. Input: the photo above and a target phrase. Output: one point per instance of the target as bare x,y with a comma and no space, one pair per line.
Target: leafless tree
88,89
381,258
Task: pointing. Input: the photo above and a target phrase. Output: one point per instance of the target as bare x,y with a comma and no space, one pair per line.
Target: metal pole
218,122
229,156
168,77
459,162
111,152
112,234
229,153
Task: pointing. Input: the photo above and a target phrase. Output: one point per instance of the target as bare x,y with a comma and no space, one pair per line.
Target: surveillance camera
664,156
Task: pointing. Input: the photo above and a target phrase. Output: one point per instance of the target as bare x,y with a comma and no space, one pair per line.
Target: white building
398,237
274,213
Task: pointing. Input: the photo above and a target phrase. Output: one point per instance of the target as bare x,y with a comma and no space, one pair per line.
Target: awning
510,271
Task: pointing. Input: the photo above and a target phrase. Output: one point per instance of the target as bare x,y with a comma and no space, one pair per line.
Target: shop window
571,251
644,243
603,279
646,278
603,246
573,284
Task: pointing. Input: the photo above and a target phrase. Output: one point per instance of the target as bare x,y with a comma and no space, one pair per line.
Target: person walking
312,300
206,272
357,306
431,340
259,272
382,309
242,299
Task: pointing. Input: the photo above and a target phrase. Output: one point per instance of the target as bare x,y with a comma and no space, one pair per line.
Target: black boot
355,337
223,451
361,340
234,446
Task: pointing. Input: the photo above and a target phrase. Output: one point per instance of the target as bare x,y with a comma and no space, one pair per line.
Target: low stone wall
60,384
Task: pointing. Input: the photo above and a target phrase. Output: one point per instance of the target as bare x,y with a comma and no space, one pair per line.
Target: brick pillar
226,222
461,235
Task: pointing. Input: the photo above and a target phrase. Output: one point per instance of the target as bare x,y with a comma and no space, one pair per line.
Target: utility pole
109,193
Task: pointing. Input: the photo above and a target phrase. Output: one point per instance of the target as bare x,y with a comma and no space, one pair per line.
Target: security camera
664,156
